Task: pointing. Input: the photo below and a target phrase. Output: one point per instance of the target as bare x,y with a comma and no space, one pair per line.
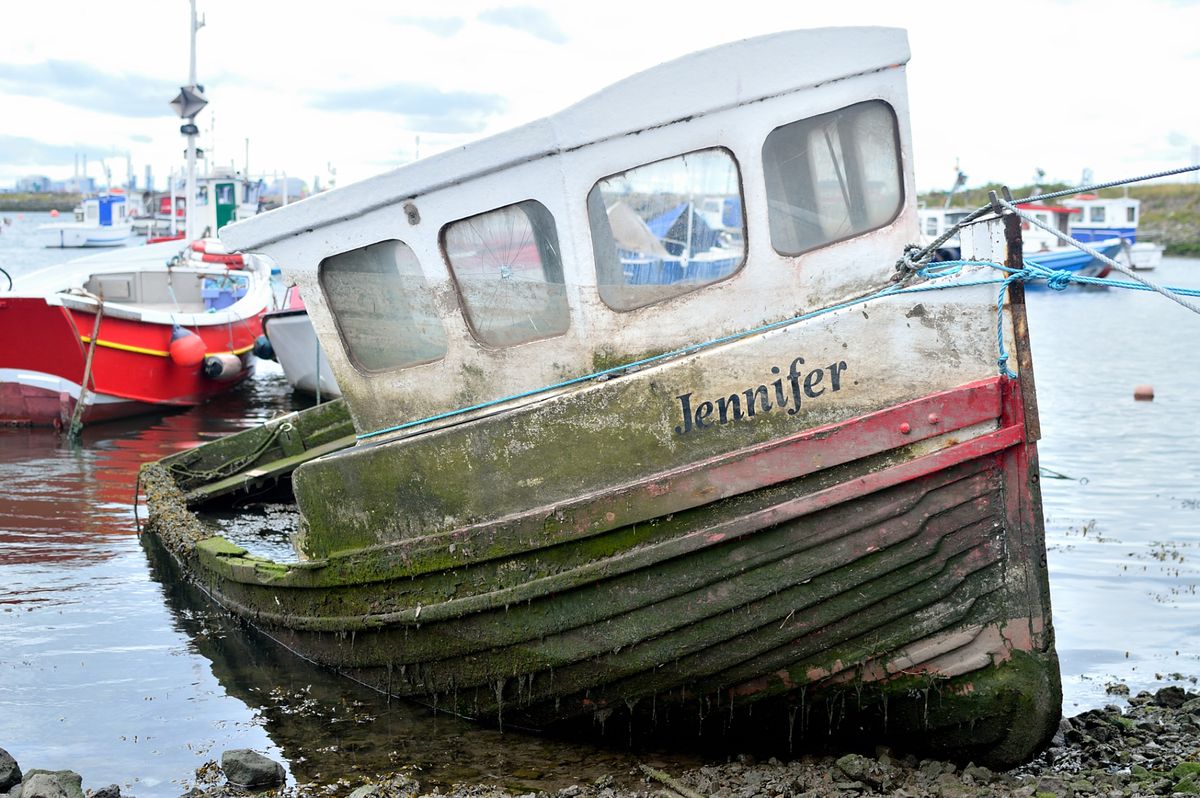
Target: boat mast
189,229
187,104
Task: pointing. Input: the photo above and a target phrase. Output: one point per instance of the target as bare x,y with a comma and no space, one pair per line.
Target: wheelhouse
673,208
1096,218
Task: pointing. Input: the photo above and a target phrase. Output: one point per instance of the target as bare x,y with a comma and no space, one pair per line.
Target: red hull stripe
763,465
789,458
689,543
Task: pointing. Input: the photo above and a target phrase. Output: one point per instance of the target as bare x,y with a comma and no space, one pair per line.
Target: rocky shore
1150,747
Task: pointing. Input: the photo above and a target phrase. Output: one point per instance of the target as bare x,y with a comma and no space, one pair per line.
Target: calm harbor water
111,668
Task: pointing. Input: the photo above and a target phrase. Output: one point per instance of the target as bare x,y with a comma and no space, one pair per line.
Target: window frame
337,323
900,199
745,259
461,298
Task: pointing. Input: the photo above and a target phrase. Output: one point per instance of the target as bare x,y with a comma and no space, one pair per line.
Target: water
1124,533
111,668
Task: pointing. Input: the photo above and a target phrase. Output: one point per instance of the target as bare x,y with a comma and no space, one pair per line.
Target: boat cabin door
227,204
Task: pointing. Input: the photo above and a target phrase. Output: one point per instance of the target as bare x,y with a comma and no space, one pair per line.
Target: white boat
936,221
102,223
293,343
1095,218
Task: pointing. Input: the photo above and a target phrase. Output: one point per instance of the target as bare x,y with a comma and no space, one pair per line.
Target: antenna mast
187,104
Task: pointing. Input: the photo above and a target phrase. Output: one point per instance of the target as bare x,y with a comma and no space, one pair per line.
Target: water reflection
61,500
328,727
96,677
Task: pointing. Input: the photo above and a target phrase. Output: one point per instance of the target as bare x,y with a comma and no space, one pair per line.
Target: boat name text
794,386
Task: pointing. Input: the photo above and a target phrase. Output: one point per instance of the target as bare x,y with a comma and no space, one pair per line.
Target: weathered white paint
732,97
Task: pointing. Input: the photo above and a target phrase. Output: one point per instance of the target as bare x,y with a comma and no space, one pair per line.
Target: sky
341,91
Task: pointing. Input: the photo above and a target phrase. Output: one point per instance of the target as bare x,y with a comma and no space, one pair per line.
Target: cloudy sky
351,87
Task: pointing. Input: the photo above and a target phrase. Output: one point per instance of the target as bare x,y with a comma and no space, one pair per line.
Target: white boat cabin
106,211
707,196
223,196
1095,218
934,222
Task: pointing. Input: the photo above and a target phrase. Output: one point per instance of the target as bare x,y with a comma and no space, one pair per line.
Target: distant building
79,185
296,189
33,183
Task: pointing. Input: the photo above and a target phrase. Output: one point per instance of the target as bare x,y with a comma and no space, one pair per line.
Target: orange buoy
1143,393
186,348
54,213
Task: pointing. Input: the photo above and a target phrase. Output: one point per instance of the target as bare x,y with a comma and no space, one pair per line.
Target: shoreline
1150,747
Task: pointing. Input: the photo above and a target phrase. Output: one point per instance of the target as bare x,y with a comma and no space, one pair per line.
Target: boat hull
1076,261
299,352
70,236
876,572
131,370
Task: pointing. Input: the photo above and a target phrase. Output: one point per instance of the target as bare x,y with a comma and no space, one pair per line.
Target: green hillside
19,202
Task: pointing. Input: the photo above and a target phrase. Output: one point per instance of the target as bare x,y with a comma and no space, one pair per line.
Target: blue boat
1075,260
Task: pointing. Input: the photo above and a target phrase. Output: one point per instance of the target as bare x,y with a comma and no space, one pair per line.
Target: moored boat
1095,219
102,222
934,222
780,494
223,196
293,343
128,331
1051,252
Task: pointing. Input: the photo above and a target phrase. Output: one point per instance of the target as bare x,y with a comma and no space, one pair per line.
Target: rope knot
911,260
1058,280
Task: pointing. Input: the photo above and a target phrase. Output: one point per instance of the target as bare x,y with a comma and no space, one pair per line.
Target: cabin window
667,228
509,273
1096,215
832,176
931,226
1076,216
1131,214
382,307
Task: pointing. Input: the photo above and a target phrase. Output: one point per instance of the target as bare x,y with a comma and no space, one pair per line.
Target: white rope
1066,239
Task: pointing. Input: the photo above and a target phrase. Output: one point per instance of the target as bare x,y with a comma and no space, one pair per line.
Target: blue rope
1055,279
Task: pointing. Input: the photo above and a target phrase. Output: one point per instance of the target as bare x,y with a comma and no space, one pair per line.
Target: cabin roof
1030,206
780,63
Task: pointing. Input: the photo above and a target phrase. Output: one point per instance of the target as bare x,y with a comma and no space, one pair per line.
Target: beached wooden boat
701,474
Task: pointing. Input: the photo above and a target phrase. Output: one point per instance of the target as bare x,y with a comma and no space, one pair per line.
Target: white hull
299,353
72,235
1144,255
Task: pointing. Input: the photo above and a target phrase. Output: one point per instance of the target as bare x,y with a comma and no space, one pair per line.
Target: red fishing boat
132,330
